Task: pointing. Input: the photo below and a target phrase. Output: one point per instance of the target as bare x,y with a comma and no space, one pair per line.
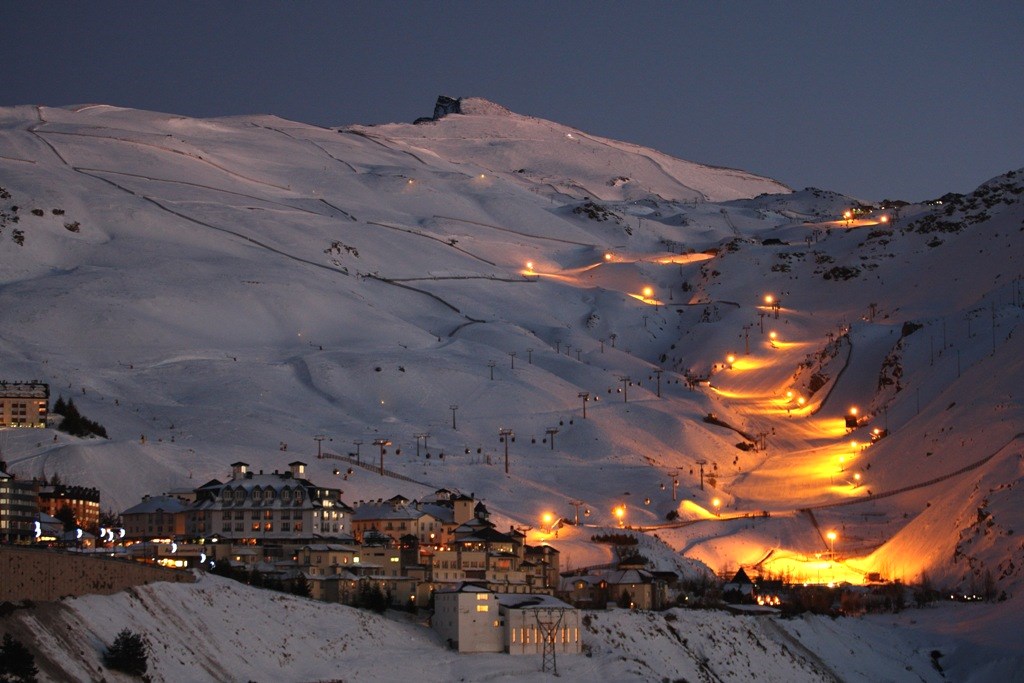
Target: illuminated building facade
24,404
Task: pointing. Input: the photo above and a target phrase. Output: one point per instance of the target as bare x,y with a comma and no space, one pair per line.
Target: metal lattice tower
548,626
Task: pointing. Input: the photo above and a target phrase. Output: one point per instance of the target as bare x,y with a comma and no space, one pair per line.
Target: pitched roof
157,504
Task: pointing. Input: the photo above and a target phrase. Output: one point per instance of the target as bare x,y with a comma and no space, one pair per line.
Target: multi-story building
18,510
155,517
279,506
431,522
24,404
472,618
83,501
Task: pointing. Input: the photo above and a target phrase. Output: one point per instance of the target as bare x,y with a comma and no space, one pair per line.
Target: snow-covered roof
530,601
167,504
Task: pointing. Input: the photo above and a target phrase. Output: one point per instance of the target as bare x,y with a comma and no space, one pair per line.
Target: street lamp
453,407
717,504
831,535
620,513
585,395
729,360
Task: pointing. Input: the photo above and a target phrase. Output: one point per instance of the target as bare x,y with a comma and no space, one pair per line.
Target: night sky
900,99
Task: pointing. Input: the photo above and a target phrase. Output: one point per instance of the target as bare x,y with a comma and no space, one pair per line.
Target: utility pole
382,443
657,373
701,463
625,379
551,431
585,395
357,443
512,355
602,344
529,356
505,435
491,365
319,438
453,407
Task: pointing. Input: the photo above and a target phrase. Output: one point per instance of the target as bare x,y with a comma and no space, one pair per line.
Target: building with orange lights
24,404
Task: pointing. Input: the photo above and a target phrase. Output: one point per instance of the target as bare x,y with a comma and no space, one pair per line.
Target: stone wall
41,574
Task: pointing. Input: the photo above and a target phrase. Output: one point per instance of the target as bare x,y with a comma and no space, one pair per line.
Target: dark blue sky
900,99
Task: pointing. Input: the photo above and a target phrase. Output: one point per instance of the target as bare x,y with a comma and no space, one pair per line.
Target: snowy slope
224,287
220,630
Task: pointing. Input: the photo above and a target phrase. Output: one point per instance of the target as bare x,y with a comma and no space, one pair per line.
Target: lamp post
505,435
585,395
529,356
657,373
717,504
620,513
453,407
512,355
491,364
831,535
551,431
382,443
625,379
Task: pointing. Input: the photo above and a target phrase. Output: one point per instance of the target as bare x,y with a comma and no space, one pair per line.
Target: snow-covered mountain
211,290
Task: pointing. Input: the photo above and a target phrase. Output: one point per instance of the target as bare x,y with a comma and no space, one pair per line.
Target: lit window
481,596
482,608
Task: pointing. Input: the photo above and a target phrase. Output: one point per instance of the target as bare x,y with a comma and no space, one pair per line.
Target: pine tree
17,664
129,654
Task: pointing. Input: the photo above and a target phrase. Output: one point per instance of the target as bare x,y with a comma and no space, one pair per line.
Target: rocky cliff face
445,105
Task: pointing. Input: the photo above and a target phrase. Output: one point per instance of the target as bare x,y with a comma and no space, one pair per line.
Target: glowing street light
620,513
608,256
529,266
832,536
729,360
648,292
717,505
884,218
773,336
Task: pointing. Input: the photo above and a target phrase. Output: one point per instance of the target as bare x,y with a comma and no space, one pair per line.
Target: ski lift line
187,155
436,239
83,169
371,138
311,142
375,469
515,232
